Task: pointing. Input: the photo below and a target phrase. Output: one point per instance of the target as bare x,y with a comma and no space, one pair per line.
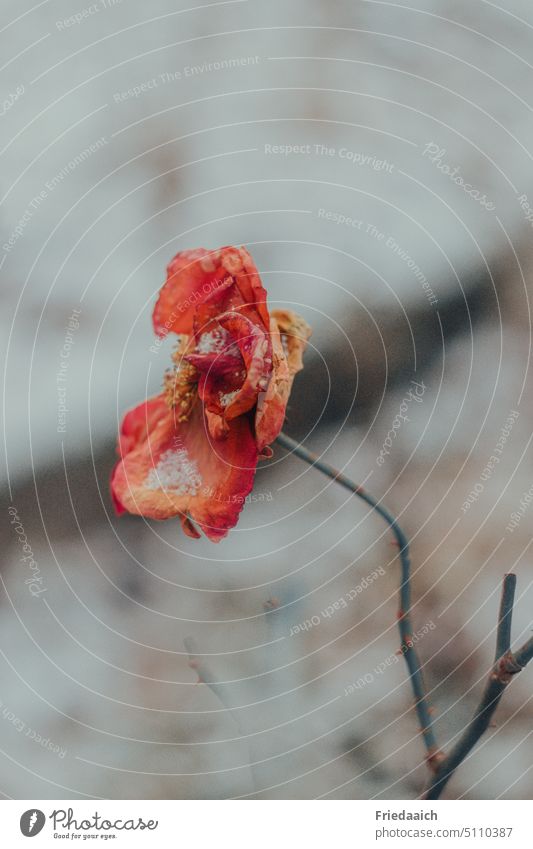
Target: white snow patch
212,342
226,399
176,473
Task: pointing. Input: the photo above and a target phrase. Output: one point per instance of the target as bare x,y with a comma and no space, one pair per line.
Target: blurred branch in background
207,676
387,348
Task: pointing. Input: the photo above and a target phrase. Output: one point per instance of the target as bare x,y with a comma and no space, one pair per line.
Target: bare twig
525,654
505,616
506,664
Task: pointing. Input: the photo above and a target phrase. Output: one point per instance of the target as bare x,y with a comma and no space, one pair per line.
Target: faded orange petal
289,333
295,333
179,471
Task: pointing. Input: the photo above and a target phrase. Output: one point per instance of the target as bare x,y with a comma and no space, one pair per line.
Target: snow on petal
180,471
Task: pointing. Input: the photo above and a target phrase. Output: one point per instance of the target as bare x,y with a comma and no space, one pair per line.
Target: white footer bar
267,824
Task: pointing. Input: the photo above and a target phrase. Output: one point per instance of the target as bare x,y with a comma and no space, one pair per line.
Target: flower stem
422,706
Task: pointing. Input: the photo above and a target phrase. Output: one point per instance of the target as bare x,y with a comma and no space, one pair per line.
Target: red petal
138,422
117,504
188,528
241,266
217,425
192,277
179,471
256,349
207,283
135,426
215,352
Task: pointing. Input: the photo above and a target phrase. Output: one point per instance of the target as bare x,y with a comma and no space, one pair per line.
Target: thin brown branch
506,665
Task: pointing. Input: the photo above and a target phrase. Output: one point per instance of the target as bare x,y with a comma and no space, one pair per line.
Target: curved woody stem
404,614
506,663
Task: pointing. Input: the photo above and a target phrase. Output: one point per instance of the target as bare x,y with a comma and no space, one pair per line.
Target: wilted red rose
192,451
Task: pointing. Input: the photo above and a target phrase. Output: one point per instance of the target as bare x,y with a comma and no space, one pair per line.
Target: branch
505,616
506,664
433,754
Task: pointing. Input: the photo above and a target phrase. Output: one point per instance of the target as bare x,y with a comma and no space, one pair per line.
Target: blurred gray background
131,131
